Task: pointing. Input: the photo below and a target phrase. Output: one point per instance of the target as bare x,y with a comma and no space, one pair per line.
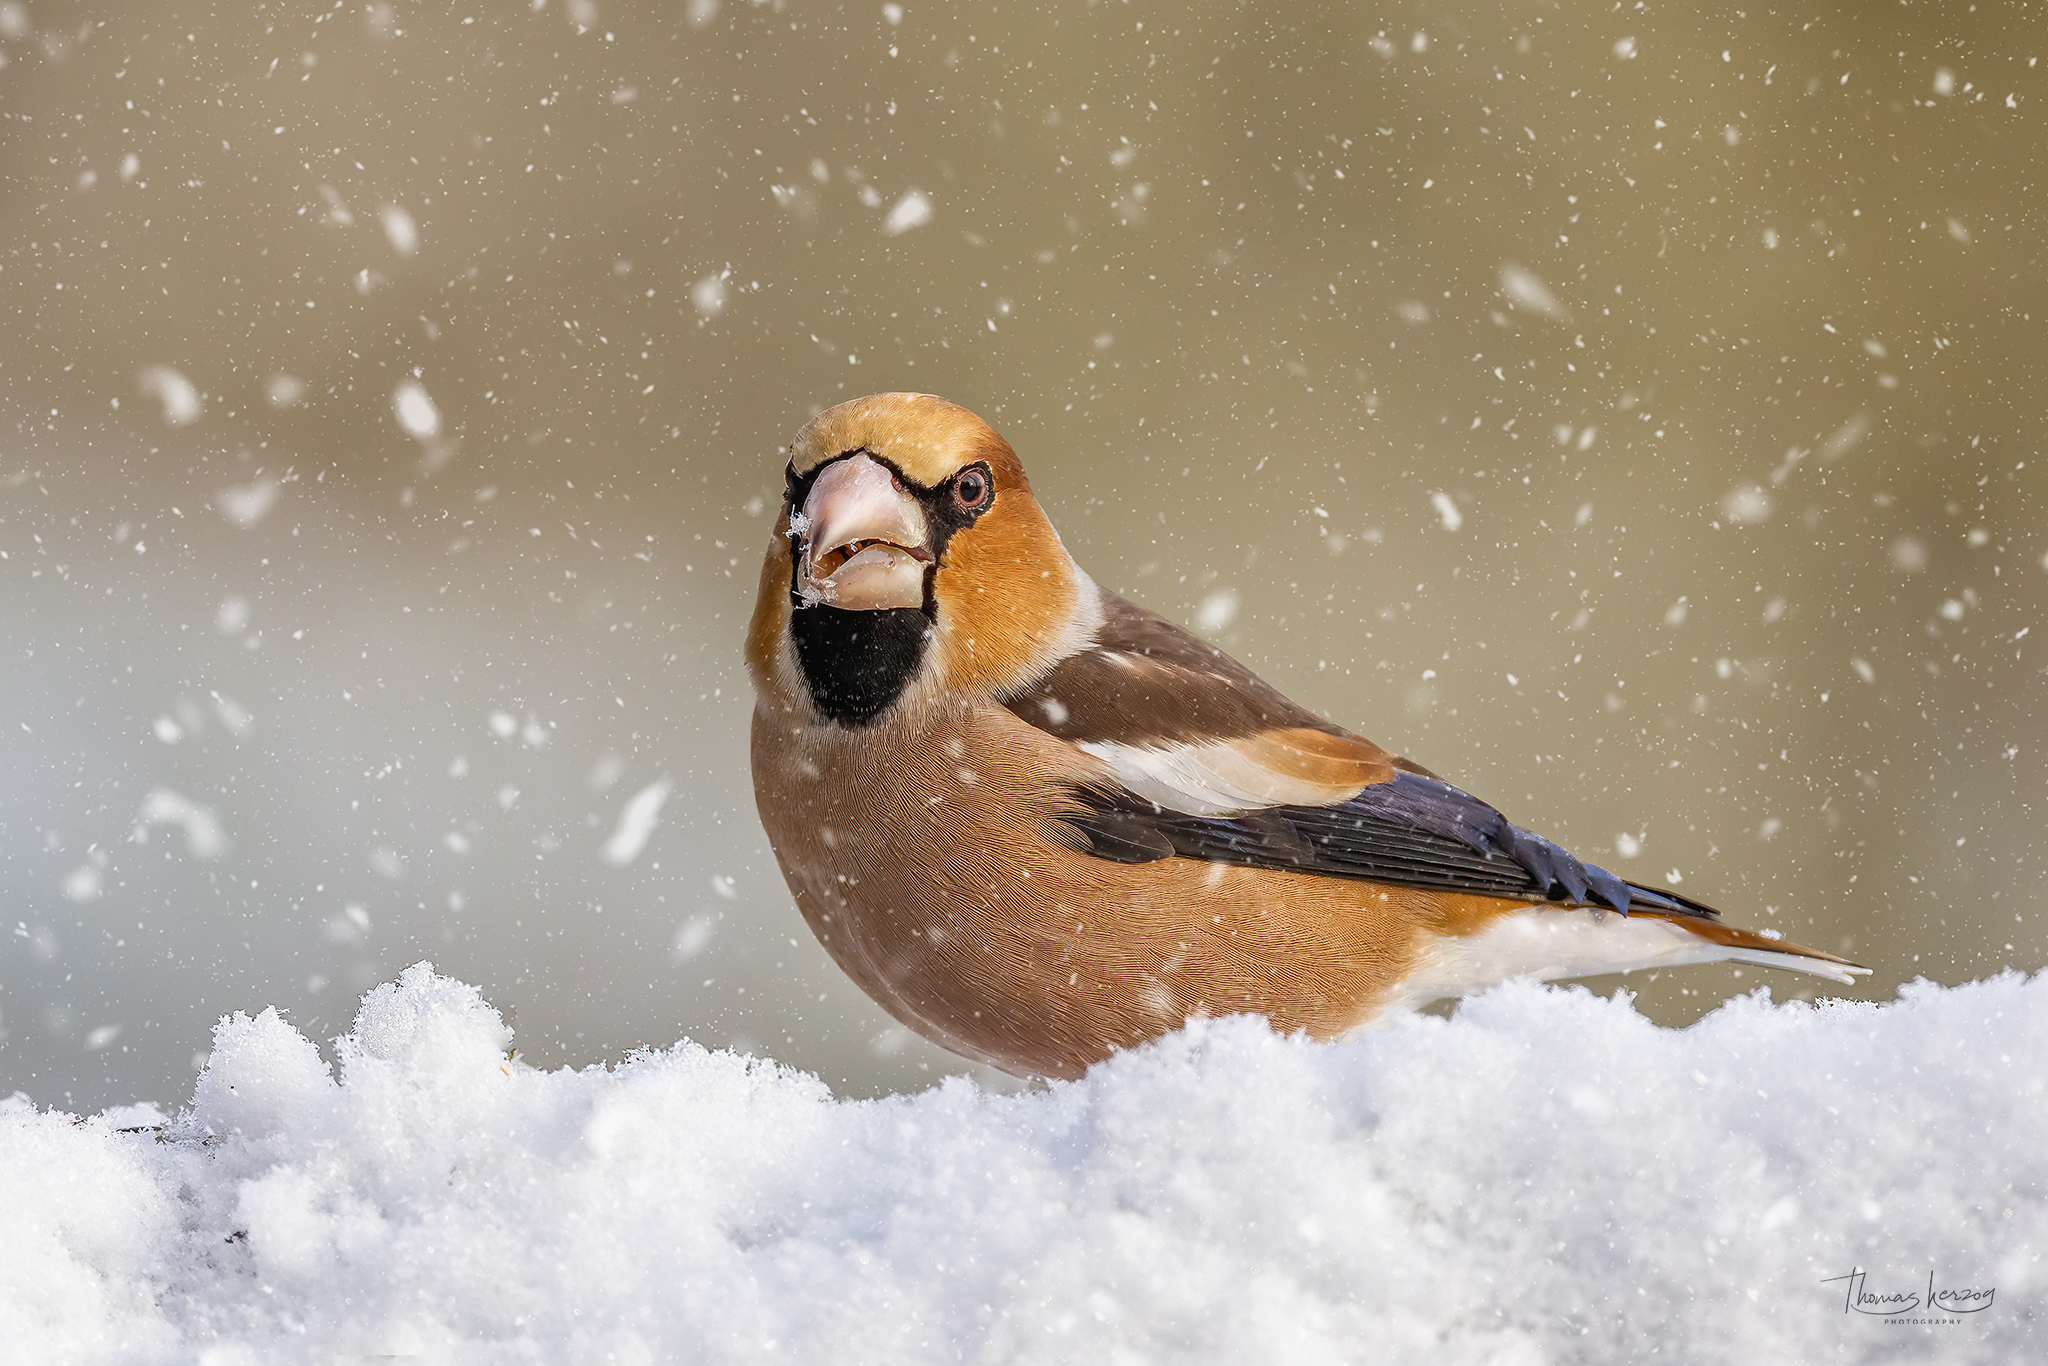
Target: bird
1038,823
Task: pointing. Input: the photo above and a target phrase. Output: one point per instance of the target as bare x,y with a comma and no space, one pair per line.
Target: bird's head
910,560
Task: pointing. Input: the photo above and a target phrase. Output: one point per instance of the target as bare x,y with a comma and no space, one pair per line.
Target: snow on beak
861,541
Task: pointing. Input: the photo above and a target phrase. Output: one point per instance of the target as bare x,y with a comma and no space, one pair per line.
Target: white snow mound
1544,1177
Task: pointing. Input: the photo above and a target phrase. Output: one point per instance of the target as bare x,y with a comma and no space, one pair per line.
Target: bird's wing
1410,830
1206,760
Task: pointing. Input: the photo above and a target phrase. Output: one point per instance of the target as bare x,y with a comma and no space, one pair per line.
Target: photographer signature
1887,1304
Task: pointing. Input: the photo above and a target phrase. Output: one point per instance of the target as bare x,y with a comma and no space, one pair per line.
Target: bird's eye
972,489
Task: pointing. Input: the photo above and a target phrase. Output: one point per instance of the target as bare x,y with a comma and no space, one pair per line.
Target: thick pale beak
861,541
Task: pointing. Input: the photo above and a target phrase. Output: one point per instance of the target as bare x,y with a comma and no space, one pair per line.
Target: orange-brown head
910,563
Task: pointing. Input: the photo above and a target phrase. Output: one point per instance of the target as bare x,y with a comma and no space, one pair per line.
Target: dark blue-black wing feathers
1414,831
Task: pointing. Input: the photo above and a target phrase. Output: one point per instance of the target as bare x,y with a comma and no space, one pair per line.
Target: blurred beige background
1633,414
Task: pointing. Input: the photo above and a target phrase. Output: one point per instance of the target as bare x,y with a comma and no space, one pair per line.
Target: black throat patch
857,663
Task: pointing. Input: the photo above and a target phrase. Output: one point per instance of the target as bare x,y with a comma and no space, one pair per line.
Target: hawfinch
1039,823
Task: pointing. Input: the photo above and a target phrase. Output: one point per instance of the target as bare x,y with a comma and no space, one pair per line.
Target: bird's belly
938,881
1041,960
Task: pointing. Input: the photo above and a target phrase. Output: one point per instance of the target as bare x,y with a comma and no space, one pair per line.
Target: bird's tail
1552,941
1747,946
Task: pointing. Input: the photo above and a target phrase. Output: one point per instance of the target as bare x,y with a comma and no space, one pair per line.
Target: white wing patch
1215,779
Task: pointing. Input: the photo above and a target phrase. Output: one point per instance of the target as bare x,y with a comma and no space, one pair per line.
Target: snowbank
1545,1177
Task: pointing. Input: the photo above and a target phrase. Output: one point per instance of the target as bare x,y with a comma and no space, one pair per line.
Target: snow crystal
636,823
707,296
247,504
399,230
1217,611
1545,1176
608,769
164,806
82,884
1746,504
350,926
284,391
914,210
337,210
693,936
236,717
169,387
1846,438
1447,511
415,410
1528,291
